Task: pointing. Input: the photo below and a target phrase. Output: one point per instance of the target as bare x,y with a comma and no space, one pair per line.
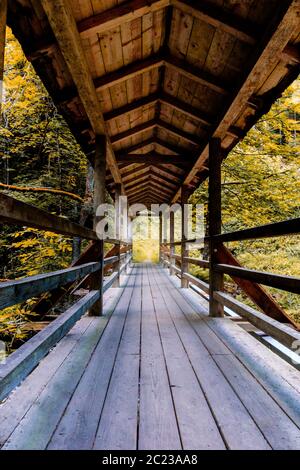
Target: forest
42,164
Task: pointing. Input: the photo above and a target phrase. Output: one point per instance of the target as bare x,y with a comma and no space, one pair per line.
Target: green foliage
37,149
145,251
260,185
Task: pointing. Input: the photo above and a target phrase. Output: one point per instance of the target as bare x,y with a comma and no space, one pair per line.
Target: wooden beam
27,357
154,158
164,173
283,333
216,16
97,279
3,18
216,279
128,72
119,15
277,281
14,212
136,173
184,235
172,101
142,189
192,138
185,108
169,146
197,75
135,105
65,30
255,292
136,147
15,292
151,185
266,57
172,240
278,229
145,65
136,181
134,131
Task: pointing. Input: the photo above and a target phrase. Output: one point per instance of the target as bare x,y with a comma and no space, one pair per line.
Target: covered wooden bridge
157,93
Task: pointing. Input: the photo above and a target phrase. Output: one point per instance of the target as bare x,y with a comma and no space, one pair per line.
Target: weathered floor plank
78,426
158,426
157,373
119,424
197,426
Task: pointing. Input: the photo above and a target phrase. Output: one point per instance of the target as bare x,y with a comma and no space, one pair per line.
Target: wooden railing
274,320
89,271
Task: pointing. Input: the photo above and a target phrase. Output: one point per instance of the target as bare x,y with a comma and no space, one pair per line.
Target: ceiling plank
135,105
146,126
117,16
193,138
172,147
64,27
267,55
215,15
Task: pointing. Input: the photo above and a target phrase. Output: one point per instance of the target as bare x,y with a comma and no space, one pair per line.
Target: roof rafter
153,158
64,28
146,126
265,58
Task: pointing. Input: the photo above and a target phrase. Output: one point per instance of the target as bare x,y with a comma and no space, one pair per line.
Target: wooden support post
118,192
216,282
160,237
184,235
99,198
172,240
3,18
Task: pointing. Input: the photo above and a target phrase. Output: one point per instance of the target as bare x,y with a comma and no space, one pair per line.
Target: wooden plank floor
158,375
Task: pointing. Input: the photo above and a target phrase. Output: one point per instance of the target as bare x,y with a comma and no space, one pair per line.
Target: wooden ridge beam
148,175
265,58
65,30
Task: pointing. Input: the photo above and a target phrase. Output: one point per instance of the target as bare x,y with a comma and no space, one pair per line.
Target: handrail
283,333
287,227
14,292
28,356
286,283
15,212
179,243
198,262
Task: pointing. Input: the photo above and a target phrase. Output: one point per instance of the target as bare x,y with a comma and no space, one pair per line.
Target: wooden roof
161,77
